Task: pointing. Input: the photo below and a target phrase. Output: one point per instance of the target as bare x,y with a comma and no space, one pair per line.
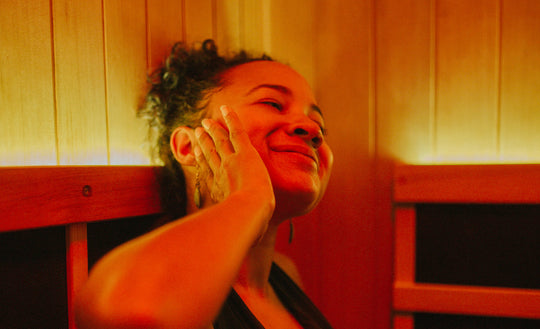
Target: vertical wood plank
27,119
253,34
403,72
520,81
80,82
403,321
292,18
126,62
405,244
199,20
228,25
466,80
76,264
336,241
165,28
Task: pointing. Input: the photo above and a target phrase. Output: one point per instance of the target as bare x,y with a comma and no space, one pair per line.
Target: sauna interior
430,106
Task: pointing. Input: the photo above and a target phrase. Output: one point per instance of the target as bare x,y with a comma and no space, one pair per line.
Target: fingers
216,143
237,135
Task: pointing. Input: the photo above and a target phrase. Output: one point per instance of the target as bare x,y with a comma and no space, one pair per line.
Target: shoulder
289,267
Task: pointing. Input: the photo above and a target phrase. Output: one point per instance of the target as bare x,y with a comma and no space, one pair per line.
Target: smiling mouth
298,149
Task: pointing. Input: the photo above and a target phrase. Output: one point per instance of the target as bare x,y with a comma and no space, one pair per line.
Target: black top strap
236,315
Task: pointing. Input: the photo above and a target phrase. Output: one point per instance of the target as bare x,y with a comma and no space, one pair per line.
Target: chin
291,204
297,192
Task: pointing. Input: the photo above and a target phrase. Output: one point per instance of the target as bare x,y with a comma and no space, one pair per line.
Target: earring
291,231
197,193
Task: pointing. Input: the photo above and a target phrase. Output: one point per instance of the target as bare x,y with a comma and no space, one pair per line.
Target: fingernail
224,110
205,123
197,151
198,132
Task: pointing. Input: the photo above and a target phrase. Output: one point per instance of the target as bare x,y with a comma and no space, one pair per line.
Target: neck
255,270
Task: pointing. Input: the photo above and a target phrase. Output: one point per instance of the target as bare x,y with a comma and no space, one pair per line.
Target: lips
296,148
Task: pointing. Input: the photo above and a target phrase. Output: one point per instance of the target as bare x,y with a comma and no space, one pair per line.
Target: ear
182,141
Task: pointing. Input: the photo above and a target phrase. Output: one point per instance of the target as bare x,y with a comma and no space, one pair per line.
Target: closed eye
273,104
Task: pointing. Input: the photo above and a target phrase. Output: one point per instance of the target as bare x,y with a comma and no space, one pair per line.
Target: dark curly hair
178,95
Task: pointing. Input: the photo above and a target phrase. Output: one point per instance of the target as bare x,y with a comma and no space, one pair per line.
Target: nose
309,131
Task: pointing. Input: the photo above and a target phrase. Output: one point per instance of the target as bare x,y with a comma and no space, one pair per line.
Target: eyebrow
280,88
284,90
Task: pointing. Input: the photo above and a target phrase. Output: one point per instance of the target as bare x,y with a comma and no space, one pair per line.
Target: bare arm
179,275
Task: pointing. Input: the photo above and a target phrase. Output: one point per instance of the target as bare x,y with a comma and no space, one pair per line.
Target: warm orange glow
466,159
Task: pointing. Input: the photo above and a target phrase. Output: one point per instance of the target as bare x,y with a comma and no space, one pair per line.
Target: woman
246,139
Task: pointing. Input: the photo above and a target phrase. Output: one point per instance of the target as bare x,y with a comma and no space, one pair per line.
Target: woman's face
279,113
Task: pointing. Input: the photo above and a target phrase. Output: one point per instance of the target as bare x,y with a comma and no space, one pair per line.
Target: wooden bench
483,186
36,201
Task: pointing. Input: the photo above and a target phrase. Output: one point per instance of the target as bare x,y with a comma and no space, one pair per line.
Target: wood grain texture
466,80
452,299
337,240
254,31
228,25
403,79
80,82
199,20
76,265
296,20
126,63
164,28
467,184
27,109
55,195
520,81
403,321
405,244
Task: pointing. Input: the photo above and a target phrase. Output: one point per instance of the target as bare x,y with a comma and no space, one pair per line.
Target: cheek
326,158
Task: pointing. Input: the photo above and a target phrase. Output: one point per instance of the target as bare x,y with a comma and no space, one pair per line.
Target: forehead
257,73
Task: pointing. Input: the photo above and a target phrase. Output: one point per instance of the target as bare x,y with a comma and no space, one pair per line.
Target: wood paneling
126,62
467,183
455,299
299,17
80,82
165,28
199,20
254,32
403,84
27,114
466,79
228,25
75,194
520,81
337,240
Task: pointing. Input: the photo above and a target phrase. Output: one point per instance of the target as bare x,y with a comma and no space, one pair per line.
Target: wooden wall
418,81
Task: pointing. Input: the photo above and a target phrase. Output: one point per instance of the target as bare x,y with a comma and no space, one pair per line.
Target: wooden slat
466,79
199,20
228,25
403,79
80,82
165,28
403,321
284,17
467,184
254,33
76,264
405,244
520,80
27,123
44,196
488,301
126,62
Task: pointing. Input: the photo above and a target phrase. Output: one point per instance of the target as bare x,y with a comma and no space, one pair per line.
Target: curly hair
178,95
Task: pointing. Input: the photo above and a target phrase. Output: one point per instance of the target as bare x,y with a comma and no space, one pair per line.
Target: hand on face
229,161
